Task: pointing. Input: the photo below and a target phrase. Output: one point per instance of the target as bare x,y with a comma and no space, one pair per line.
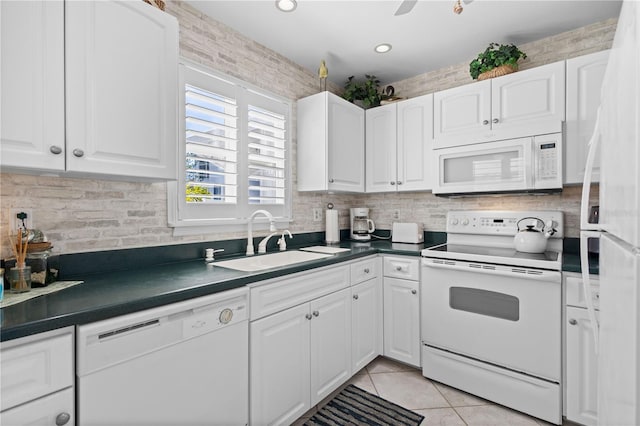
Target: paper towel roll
333,230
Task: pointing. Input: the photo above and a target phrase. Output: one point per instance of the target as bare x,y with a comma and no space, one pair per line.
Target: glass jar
20,279
38,262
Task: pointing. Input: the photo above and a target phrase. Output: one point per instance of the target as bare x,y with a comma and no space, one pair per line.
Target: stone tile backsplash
91,214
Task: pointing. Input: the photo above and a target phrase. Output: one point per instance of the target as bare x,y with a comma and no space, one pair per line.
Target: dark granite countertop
108,294
571,257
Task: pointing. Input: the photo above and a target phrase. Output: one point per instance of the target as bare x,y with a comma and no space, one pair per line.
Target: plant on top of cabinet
365,92
496,60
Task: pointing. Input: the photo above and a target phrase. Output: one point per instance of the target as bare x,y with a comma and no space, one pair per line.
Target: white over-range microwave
530,164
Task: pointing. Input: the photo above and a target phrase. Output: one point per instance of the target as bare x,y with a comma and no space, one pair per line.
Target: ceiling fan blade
405,7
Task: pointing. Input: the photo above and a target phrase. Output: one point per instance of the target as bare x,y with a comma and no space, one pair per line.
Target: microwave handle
530,163
588,173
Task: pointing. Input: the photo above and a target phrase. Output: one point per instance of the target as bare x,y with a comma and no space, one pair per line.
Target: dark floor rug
353,406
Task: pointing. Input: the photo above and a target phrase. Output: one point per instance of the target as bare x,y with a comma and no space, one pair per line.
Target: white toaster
407,233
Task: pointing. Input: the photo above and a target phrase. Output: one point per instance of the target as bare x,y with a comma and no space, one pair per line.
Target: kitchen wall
88,214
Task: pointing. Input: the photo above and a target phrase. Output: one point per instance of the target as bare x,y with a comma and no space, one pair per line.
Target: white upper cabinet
121,89
32,85
461,114
399,140
381,149
524,103
89,88
330,144
584,81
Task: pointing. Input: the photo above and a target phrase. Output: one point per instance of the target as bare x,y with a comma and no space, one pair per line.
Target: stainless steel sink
270,261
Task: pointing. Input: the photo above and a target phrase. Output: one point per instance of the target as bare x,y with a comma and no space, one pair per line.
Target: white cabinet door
581,368
415,140
330,137
402,320
462,115
121,89
346,146
330,343
584,81
366,323
32,85
279,367
54,409
381,165
529,102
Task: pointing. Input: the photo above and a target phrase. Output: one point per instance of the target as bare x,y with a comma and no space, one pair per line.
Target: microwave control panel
548,161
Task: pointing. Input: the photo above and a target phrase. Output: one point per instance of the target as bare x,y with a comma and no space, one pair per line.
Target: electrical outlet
317,215
15,222
396,214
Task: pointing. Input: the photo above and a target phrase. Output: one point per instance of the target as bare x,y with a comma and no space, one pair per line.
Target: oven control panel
494,222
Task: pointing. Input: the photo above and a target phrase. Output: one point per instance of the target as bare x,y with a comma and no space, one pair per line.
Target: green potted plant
496,60
364,93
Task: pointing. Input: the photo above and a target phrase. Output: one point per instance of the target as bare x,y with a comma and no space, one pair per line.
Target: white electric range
491,316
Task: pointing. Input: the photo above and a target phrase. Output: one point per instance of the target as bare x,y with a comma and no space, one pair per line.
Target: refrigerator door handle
588,172
586,283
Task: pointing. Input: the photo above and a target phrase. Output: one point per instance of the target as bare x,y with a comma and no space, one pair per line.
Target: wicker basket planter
498,71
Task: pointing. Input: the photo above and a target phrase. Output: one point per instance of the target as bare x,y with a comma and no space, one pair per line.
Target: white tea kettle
533,239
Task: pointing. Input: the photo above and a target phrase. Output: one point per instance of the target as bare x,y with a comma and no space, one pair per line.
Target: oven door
508,316
486,167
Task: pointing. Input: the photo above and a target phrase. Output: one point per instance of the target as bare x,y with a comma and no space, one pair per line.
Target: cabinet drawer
364,270
50,410
35,368
282,294
575,293
402,267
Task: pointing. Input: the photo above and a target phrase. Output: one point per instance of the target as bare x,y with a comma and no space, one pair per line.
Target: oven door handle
506,271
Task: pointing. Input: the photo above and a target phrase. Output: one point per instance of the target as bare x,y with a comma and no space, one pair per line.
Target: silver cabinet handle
414,291
355,297
316,313
485,122
308,316
573,321
366,270
495,120
392,183
55,149
62,419
78,152
330,180
399,182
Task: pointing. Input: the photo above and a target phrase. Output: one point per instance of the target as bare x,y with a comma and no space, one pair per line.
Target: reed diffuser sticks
20,282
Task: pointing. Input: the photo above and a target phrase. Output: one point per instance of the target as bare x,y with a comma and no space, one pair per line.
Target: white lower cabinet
366,323
581,366
37,380
298,357
402,310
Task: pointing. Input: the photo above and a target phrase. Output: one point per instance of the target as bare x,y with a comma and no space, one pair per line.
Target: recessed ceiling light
286,5
383,48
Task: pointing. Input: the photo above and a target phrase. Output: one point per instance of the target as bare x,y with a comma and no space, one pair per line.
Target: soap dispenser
281,241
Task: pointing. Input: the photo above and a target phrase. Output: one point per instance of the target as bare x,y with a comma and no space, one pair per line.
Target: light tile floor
438,403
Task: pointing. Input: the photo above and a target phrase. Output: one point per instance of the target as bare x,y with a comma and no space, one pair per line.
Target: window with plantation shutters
266,159
211,137
234,156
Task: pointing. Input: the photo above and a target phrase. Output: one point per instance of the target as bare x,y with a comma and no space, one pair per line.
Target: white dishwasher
180,364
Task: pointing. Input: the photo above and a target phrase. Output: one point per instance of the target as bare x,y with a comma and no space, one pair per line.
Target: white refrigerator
617,130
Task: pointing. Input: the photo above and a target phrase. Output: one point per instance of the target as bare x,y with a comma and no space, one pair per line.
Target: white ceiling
431,36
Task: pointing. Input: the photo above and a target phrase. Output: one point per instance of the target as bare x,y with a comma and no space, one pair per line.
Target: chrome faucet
272,228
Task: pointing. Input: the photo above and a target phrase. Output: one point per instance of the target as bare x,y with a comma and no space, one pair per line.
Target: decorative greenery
494,56
195,190
366,91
